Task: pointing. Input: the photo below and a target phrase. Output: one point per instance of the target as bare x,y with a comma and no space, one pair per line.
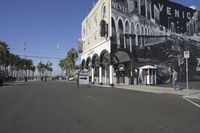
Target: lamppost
57,49
25,76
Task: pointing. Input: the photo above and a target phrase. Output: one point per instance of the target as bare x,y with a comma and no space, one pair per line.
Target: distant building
119,36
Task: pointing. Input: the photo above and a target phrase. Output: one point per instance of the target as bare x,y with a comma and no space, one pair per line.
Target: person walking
174,79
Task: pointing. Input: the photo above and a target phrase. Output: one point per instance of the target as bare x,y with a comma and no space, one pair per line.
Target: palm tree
65,64
48,67
16,62
13,59
40,68
4,56
72,56
33,70
68,63
19,65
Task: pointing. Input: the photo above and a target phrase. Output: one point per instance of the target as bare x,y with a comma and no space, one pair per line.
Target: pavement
64,107
194,94
190,93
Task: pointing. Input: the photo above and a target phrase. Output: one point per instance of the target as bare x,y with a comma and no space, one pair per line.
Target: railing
142,40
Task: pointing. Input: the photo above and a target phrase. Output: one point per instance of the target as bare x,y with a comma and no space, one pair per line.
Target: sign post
84,78
187,56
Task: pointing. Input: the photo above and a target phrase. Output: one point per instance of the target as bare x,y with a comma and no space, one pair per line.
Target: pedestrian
174,79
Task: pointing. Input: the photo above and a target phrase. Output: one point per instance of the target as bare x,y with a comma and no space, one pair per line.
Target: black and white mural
155,32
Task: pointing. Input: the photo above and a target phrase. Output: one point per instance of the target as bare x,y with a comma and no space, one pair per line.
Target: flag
24,45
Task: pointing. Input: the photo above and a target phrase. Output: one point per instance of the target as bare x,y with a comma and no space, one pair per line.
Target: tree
72,56
44,68
33,70
12,63
4,56
65,65
68,63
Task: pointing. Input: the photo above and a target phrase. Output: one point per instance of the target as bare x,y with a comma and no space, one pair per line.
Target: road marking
191,102
130,114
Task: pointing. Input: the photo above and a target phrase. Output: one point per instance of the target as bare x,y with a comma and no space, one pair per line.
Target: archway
105,63
95,67
123,66
121,33
88,63
127,41
83,64
114,33
133,33
138,39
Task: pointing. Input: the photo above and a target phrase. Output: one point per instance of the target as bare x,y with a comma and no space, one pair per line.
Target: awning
147,67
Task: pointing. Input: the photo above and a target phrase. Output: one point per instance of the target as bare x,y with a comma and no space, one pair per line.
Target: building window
89,28
143,8
148,10
95,20
95,37
104,11
136,6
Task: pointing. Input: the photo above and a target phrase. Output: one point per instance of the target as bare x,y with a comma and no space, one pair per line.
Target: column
92,75
100,75
111,75
124,40
136,40
146,9
105,76
150,12
130,41
139,7
118,40
155,77
132,73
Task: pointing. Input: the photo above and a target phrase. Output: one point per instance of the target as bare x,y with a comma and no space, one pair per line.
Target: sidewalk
7,83
194,94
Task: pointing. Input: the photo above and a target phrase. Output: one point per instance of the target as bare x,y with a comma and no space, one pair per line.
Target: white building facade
119,36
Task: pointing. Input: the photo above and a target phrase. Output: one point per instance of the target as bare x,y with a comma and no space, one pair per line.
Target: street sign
186,54
84,78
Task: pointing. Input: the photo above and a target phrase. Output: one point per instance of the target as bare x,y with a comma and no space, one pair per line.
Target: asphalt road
61,107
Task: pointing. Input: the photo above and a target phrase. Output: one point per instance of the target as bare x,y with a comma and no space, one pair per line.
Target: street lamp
57,49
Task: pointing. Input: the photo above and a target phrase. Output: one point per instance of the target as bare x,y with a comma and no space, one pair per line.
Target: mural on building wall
157,32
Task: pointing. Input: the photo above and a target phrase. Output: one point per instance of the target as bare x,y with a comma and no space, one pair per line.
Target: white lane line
191,102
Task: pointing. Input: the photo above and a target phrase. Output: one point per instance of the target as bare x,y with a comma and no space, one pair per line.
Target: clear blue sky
44,23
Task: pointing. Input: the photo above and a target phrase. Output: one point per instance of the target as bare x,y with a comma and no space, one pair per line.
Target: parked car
71,78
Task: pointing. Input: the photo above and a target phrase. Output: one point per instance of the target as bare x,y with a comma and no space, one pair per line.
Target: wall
91,28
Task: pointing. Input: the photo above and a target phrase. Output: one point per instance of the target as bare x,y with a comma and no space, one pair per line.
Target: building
120,36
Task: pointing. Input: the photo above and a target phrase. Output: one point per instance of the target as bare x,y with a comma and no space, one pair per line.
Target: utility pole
25,76
57,49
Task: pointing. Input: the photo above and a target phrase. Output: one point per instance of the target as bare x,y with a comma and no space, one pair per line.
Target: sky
44,24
